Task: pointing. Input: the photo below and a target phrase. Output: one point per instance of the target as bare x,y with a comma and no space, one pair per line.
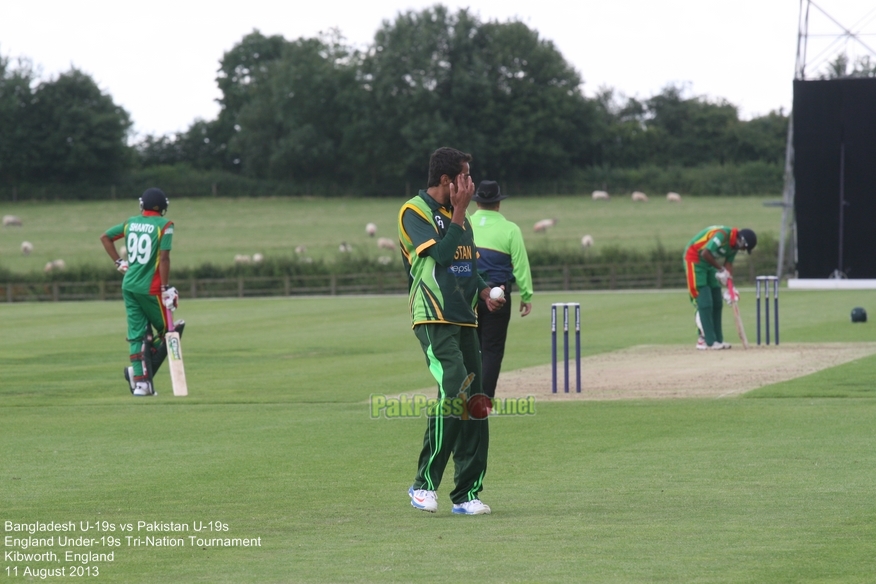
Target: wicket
565,306
766,293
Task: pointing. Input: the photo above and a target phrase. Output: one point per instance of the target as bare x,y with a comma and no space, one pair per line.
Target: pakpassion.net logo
475,407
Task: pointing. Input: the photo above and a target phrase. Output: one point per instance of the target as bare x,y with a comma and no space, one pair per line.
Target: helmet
154,200
746,239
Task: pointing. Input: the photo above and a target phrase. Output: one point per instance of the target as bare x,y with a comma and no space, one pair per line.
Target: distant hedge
753,178
623,260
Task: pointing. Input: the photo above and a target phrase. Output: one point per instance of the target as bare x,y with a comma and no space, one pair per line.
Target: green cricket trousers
453,355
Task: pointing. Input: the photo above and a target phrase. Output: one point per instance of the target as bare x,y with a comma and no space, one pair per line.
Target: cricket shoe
475,507
129,377
144,388
716,346
701,344
423,500
726,345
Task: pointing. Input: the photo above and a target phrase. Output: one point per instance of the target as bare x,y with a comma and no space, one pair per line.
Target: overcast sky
159,59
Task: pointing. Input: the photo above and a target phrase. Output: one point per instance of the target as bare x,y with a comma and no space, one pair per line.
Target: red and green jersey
438,293
720,240
145,236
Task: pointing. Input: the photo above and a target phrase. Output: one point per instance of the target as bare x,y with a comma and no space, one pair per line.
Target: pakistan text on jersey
141,227
463,252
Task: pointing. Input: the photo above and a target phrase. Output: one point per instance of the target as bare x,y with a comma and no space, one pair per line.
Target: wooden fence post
286,286
240,287
56,292
194,288
334,285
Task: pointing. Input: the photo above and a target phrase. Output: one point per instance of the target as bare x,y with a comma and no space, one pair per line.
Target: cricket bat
175,358
739,328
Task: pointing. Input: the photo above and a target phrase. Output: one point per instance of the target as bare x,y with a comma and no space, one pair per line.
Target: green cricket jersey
439,292
720,240
145,235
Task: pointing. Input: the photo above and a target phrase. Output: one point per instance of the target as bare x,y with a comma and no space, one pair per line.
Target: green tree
536,123
863,66
496,89
78,132
763,138
16,147
294,122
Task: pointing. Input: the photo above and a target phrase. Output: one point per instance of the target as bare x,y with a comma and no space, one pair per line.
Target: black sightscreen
834,159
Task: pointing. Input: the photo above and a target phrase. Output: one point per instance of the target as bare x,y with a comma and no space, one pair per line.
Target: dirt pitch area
673,371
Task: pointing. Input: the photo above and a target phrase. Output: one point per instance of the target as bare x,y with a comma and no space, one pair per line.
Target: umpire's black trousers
492,332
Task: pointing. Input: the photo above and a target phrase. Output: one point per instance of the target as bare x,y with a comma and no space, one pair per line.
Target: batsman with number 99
148,238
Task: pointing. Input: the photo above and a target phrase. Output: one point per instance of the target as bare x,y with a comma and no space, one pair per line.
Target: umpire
502,262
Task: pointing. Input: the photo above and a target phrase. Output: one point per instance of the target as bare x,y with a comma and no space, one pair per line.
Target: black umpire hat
489,192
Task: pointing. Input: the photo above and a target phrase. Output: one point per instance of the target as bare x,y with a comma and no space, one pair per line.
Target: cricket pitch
674,371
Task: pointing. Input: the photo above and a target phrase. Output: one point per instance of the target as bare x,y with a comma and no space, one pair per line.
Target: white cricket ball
497,293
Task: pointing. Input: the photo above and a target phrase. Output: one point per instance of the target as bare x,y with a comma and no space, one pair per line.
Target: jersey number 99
139,248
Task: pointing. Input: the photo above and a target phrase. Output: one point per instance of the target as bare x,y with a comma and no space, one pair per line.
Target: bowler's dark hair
446,161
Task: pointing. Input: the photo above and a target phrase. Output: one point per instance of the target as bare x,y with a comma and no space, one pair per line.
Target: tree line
319,110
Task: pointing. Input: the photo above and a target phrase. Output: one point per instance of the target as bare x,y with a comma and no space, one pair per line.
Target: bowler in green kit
440,256
148,239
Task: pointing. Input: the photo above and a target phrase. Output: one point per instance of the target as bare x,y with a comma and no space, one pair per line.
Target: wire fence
620,276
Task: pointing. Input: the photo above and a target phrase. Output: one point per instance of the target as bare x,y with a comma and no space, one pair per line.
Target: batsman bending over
704,272
148,239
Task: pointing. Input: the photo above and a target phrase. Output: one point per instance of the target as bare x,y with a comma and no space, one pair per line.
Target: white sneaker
144,388
475,507
423,500
716,346
701,344
727,345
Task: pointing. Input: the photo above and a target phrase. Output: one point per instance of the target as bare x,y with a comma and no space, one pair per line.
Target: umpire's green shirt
441,260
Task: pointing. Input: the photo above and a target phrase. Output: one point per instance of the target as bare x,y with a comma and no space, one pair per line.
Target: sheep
673,197
242,259
26,247
257,258
600,196
544,225
587,241
385,243
371,229
11,221
640,196
345,247
301,249
55,266
384,260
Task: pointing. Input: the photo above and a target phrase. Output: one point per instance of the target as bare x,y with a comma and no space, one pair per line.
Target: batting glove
170,298
729,297
121,265
722,276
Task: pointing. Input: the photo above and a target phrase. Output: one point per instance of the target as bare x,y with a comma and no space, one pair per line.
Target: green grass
215,230
276,441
